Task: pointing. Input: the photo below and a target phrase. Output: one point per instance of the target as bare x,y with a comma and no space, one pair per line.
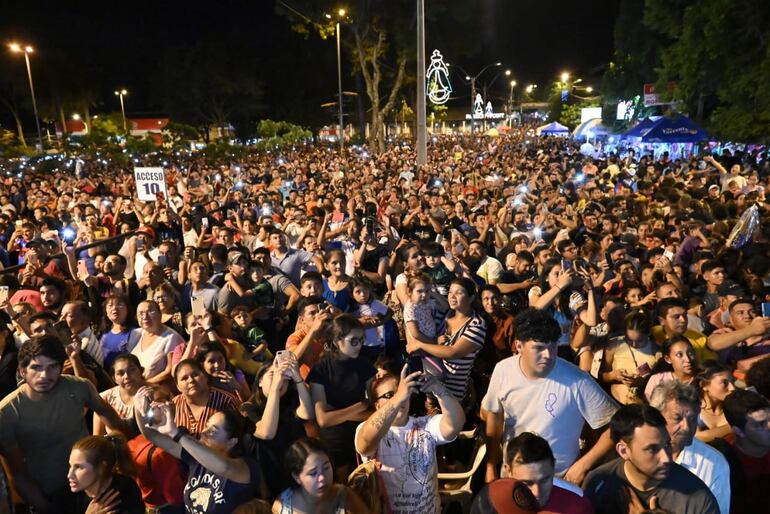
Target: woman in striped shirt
461,337
198,400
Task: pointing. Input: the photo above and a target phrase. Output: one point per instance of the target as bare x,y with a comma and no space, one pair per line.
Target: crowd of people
305,331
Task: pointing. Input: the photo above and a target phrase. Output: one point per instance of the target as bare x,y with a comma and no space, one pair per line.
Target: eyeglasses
355,341
386,396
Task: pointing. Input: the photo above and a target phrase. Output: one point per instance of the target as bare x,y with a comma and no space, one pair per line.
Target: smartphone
205,222
63,332
284,355
644,369
765,309
163,261
566,264
3,294
414,364
669,255
198,307
82,268
608,258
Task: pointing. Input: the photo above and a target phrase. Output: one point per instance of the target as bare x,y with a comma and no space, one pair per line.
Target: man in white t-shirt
680,405
535,391
406,446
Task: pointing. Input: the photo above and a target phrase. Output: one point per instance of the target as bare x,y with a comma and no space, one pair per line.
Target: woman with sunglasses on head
338,388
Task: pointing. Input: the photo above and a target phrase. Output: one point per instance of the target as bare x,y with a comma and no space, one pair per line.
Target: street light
77,117
340,15
121,94
472,80
589,89
510,101
565,77
26,50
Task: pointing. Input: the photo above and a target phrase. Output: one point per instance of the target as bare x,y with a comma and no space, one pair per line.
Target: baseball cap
713,186
38,241
509,496
146,230
730,287
234,257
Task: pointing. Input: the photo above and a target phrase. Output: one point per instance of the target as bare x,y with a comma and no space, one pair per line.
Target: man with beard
53,294
42,419
645,474
680,405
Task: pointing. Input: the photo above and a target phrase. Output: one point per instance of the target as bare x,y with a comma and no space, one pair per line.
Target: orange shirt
311,355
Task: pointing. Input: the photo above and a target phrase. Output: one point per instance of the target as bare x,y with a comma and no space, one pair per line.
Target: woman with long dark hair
221,474
715,381
462,333
679,363
314,490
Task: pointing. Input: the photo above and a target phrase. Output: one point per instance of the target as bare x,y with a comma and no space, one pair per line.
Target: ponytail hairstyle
110,450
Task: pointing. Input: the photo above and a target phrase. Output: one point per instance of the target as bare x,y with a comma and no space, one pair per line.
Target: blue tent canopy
679,129
640,128
554,129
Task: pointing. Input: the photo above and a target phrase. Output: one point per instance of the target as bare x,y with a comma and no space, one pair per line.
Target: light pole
26,50
422,143
77,117
530,88
340,15
121,94
510,102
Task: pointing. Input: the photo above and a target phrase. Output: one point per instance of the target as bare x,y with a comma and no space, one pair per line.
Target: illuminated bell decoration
478,106
437,75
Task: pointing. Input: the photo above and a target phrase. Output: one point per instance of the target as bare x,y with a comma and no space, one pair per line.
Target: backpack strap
149,457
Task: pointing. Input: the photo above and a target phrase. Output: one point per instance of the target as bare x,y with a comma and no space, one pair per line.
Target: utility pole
422,136
473,101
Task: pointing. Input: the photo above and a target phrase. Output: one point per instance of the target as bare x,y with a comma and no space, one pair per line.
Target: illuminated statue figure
439,87
488,111
478,106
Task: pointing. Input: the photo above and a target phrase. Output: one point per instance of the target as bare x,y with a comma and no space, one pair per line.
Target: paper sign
150,182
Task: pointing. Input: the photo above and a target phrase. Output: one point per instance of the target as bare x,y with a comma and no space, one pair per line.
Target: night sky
123,44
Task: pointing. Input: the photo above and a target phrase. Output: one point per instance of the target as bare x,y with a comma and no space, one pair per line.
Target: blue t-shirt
209,493
113,345
341,299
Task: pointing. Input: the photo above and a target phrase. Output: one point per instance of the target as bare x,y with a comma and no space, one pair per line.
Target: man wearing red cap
529,462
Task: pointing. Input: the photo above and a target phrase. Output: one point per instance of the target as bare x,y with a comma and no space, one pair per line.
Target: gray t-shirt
555,407
45,430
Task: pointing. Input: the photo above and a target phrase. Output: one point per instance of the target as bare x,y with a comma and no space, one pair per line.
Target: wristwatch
180,433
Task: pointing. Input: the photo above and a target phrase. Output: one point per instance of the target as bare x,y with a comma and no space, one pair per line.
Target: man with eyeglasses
405,446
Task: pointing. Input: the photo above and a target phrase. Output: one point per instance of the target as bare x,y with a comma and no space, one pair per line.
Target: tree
719,60
14,94
383,44
205,85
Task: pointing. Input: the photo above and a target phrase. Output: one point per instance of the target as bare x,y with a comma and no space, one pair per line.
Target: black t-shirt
344,382
209,493
421,232
128,493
